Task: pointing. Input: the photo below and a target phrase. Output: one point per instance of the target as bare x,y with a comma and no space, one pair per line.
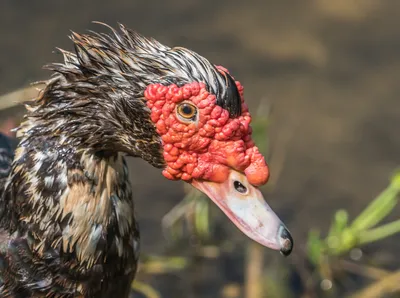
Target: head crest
127,59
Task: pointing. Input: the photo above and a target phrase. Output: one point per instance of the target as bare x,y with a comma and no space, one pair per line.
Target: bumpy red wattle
208,149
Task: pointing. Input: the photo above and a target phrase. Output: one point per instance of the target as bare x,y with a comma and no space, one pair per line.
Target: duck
67,214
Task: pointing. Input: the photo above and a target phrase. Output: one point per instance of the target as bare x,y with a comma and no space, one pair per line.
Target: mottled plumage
71,216
67,206
67,222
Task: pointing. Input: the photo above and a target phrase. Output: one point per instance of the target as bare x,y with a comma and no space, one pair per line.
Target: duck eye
187,111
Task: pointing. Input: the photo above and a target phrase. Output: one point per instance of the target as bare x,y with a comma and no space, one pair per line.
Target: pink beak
244,204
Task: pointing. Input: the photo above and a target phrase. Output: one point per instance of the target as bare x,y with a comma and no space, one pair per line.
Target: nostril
239,187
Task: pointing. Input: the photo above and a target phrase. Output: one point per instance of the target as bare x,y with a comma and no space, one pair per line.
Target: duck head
173,108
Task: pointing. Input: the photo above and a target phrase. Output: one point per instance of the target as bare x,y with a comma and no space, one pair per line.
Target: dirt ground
330,69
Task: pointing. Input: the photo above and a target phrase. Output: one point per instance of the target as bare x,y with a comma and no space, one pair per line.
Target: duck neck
77,203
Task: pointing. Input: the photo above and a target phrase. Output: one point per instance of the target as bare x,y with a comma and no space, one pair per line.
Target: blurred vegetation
344,236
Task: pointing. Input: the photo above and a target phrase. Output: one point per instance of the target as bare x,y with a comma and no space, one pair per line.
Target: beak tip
286,241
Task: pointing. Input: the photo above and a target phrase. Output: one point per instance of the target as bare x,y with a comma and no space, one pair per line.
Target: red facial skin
209,148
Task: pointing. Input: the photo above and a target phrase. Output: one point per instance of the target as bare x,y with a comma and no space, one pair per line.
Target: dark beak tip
286,242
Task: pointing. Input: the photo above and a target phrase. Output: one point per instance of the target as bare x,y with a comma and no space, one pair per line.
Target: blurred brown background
331,68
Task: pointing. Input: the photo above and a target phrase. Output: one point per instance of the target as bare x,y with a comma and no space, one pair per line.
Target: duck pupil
186,109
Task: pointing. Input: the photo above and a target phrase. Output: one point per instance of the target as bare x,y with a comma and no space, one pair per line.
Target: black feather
230,99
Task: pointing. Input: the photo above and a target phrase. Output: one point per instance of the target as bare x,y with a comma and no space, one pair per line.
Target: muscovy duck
67,223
